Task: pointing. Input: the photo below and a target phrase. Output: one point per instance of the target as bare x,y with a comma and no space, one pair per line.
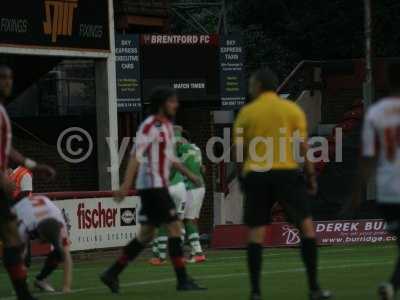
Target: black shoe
111,282
189,285
27,297
255,297
321,295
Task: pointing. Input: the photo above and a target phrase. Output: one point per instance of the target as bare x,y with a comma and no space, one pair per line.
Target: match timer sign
188,63
206,70
127,56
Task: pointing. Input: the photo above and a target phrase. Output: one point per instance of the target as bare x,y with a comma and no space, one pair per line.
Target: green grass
351,272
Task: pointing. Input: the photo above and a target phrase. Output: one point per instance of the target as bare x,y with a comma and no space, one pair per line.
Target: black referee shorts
158,208
263,189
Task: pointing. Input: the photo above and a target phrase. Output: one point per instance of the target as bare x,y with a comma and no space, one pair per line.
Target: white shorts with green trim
179,195
194,203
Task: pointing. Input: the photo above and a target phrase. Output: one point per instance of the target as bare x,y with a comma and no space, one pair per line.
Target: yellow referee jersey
267,129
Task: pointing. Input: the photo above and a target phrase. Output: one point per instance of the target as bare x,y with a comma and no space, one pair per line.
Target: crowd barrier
95,221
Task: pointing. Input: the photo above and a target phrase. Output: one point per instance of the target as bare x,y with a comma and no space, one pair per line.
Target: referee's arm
309,168
237,150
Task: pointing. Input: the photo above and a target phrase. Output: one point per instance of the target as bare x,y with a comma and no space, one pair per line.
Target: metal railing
28,133
300,79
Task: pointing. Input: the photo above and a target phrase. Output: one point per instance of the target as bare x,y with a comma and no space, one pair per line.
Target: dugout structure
36,35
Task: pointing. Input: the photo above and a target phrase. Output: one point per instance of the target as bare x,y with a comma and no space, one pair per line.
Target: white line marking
218,276
266,255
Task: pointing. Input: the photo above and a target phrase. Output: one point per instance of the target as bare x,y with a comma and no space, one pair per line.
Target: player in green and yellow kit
191,157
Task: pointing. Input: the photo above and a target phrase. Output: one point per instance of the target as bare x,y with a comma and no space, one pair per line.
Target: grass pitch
352,272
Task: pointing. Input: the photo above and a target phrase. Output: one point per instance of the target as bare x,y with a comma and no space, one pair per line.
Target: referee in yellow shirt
270,136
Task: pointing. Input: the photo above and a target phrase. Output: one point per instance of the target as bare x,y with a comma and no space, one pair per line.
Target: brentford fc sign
170,39
75,24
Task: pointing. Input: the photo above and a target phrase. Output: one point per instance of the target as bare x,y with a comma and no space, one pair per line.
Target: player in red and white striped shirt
152,158
12,256
154,146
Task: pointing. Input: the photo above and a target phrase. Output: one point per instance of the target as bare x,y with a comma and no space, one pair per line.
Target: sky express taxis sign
100,222
77,24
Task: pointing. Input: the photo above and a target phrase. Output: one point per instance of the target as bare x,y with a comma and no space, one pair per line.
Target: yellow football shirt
268,130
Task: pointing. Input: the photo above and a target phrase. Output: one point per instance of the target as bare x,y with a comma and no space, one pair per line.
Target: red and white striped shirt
5,138
154,147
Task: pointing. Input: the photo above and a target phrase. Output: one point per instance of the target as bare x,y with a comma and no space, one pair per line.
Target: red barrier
81,194
284,235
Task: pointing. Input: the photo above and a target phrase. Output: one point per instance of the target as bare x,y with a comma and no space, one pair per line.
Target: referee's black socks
130,252
308,249
254,262
175,249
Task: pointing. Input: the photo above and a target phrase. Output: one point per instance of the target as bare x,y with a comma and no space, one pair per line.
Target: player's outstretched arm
68,265
18,158
130,175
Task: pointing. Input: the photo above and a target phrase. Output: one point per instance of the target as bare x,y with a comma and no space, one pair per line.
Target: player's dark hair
393,76
267,78
159,96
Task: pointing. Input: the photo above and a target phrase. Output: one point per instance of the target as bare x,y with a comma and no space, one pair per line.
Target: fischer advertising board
97,223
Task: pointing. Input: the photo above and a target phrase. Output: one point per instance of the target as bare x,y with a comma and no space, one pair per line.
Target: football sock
154,248
14,264
176,254
194,239
254,262
308,250
129,253
162,243
51,264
